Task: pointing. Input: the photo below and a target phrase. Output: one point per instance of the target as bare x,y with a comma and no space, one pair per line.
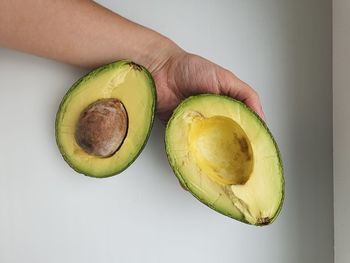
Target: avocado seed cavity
221,149
102,127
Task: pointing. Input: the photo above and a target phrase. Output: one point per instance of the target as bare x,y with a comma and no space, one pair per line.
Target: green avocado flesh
224,154
105,119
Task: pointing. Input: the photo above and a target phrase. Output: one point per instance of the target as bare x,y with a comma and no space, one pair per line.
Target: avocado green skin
181,179
93,73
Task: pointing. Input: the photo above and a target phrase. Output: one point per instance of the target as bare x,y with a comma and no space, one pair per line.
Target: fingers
251,98
232,86
183,186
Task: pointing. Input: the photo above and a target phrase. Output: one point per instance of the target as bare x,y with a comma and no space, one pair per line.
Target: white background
341,124
49,213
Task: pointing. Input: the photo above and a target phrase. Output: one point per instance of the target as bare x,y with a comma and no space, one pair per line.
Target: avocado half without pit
225,155
105,119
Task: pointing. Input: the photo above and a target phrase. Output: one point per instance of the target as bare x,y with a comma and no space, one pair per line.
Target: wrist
157,52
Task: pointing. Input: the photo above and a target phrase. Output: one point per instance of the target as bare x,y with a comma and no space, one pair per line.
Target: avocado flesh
134,87
227,158
221,148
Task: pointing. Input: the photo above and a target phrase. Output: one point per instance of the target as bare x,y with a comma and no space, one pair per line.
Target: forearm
79,32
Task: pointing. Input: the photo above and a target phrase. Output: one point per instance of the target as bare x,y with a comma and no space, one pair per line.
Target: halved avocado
224,154
105,119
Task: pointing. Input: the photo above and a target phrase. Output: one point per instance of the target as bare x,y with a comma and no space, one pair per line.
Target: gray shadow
305,128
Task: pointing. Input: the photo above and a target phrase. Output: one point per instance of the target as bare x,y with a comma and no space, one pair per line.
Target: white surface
341,126
48,213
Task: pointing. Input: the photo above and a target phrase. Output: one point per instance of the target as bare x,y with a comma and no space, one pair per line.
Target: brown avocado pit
102,127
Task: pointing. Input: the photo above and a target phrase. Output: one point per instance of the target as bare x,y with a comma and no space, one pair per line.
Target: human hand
185,74
108,37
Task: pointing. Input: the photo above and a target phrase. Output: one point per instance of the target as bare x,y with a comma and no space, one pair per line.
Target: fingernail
263,116
183,187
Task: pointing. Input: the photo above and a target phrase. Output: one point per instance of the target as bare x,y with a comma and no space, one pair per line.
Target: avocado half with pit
224,154
105,119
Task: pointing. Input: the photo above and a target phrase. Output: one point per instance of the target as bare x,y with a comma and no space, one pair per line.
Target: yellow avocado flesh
120,80
202,143
221,148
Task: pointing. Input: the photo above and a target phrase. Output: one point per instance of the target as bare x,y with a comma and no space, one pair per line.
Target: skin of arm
85,34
